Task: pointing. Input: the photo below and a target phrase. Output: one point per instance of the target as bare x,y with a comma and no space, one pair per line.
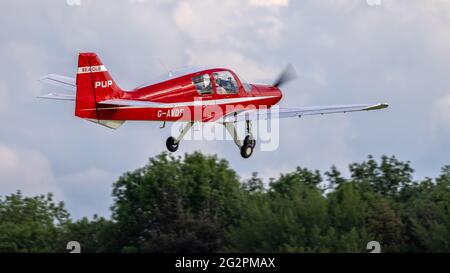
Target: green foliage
254,185
427,213
93,235
294,183
30,224
335,180
197,203
176,205
379,202
386,178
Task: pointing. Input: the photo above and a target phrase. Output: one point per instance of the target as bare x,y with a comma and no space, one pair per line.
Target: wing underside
257,114
63,82
58,96
298,112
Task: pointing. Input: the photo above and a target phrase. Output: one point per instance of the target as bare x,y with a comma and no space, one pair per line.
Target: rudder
94,84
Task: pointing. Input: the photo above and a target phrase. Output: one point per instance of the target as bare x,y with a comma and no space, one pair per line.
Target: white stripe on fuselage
215,102
190,103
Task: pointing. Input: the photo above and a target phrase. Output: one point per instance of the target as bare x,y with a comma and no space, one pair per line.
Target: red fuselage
186,102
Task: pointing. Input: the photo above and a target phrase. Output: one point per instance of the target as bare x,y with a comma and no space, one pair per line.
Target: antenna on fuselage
165,67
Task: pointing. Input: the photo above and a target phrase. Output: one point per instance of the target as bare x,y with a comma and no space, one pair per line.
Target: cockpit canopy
224,83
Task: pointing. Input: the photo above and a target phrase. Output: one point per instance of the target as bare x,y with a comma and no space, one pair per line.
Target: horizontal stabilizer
56,96
111,124
60,81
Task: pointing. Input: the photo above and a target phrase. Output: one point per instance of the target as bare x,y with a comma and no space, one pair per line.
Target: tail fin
94,84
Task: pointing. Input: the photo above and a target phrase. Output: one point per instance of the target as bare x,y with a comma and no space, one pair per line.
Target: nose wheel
172,143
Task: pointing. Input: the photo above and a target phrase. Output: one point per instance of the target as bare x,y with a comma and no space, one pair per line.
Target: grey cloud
345,52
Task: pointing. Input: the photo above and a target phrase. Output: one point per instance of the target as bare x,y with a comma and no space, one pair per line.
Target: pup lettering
103,84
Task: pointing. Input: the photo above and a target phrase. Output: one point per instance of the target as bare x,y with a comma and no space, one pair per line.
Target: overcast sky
345,51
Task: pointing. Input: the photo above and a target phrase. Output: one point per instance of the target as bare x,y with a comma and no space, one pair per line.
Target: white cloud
73,2
3,97
316,73
345,52
233,23
208,22
26,170
149,1
28,62
440,118
270,3
90,192
85,193
249,69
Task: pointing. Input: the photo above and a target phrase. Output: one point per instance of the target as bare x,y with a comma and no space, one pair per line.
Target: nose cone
269,91
279,94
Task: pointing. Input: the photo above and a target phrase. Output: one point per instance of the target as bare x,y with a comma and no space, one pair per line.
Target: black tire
246,150
247,139
171,145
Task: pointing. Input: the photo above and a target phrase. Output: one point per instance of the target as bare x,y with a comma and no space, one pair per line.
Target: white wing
298,112
256,114
56,96
60,81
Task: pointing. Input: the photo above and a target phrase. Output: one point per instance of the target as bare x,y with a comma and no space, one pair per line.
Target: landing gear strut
172,143
247,146
248,134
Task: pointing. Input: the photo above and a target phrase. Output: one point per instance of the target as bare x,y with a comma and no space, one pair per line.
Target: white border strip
93,69
148,104
130,104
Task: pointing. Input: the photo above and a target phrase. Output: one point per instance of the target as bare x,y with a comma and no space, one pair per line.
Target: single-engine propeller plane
201,95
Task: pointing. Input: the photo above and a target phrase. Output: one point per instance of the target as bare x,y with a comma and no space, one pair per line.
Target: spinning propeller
288,74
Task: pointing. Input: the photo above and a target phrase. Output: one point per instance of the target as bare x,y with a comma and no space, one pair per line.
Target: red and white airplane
202,95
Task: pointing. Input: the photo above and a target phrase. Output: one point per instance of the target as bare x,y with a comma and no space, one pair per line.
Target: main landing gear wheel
171,145
247,146
251,141
246,150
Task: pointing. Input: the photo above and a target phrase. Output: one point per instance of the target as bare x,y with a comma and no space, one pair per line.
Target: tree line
197,203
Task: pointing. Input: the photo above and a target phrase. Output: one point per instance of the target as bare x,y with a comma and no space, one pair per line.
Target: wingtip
384,105
378,106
